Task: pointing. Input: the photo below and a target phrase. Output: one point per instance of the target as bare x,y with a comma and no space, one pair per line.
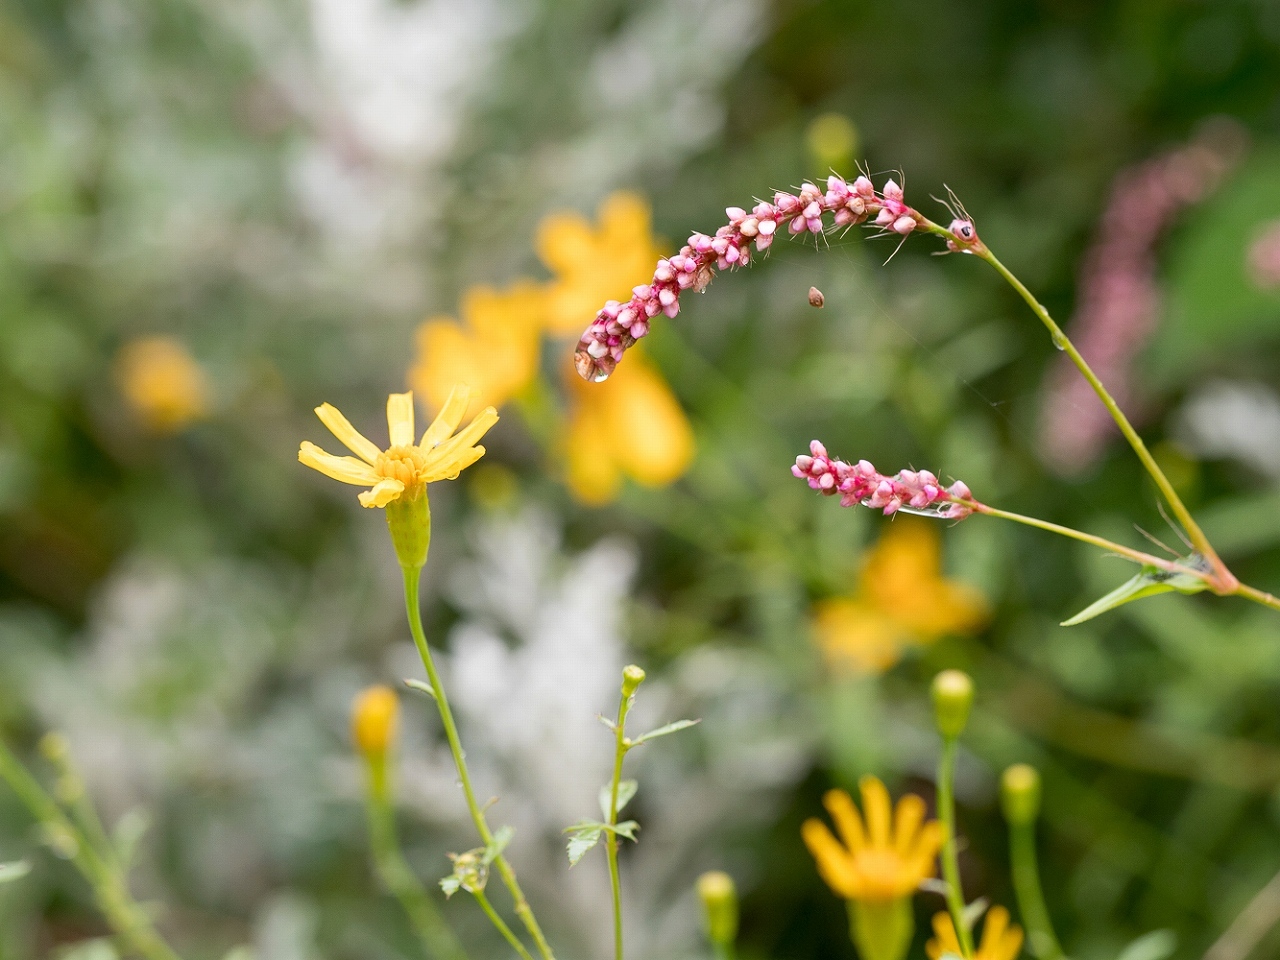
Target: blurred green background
217,214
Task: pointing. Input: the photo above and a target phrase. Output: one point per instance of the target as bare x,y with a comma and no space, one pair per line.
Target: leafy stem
522,908
621,746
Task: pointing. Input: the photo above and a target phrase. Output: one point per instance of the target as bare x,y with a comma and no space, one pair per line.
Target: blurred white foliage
537,656
1235,420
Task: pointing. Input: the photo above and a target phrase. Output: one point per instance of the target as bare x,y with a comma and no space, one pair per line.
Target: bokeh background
217,214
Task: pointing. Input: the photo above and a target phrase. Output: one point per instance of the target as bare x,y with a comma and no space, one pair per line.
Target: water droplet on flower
589,368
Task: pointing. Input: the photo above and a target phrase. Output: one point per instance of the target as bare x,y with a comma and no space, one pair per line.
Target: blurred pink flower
1264,257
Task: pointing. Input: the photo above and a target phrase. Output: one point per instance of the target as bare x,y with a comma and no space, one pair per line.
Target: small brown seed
816,299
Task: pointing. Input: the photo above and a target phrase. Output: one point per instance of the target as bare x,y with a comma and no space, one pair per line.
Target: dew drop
589,368
1060,341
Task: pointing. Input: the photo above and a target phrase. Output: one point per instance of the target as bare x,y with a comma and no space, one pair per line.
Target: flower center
883,874
406,464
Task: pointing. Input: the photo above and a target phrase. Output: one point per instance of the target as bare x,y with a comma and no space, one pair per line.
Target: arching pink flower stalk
860,484
618,325
1118,301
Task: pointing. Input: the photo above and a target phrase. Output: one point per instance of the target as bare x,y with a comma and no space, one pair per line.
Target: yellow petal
840,805
834,863
651,434
447,420
906,823
383,492
875,807
351,438
473,431
564,242
400,419
591,471
346,469
449,470
944,937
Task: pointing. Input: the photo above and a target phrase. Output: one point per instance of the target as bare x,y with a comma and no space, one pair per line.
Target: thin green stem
395,873
1026,886
109,885
1109,545
950,862
1257,596
522,908
501,924
611,838
1223,581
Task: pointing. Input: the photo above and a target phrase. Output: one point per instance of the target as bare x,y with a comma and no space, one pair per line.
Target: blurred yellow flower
161,383
375,718
494,348
879,860
1001,940
901,599
595,264
402,471
631,425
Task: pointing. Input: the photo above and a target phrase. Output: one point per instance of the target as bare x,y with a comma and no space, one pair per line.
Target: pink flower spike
860,484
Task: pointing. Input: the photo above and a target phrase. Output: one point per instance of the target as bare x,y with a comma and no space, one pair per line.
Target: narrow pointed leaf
501,838
663,731
421,687
1155,945
626,790
627,828
14,871
1150,582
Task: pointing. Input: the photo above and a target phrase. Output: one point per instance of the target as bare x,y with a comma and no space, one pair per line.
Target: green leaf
99,949
583,839
607,722
626,790
420,686
14,871
1155,945
973,912
450,885
499,843
128,832
1150,582
627,828
663,731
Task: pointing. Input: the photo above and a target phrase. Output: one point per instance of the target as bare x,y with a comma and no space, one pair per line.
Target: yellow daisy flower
884,859
1001,940
901,599
402,471
162,384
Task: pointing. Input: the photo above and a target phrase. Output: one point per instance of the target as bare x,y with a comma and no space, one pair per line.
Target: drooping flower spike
883,854
860,484
618,325
402,471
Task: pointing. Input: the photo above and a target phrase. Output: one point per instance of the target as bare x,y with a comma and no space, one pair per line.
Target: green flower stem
881,930
724,951
395,873
950,863
501,924
1257,596
1127,552
522,908
611,839
1026,886
99,868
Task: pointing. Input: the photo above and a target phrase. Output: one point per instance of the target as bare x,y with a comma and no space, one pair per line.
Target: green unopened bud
952,698
719,907
409,520
1020,794
881,929
632,677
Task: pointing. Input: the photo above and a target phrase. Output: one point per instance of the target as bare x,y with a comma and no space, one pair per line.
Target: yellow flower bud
632,677
1020,794
374,719
719,907
952,698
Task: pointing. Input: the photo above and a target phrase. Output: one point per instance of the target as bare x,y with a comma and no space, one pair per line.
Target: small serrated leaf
450,885
627,828
607,722
1155,945
421,686
626,790
1150,582
675,727
582,840
14,871
501,837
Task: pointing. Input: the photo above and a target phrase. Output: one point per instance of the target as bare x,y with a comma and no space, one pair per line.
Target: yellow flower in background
1001,940
375,719
881,859
632,425
494,348
595,264
402,471
162,384
901,599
